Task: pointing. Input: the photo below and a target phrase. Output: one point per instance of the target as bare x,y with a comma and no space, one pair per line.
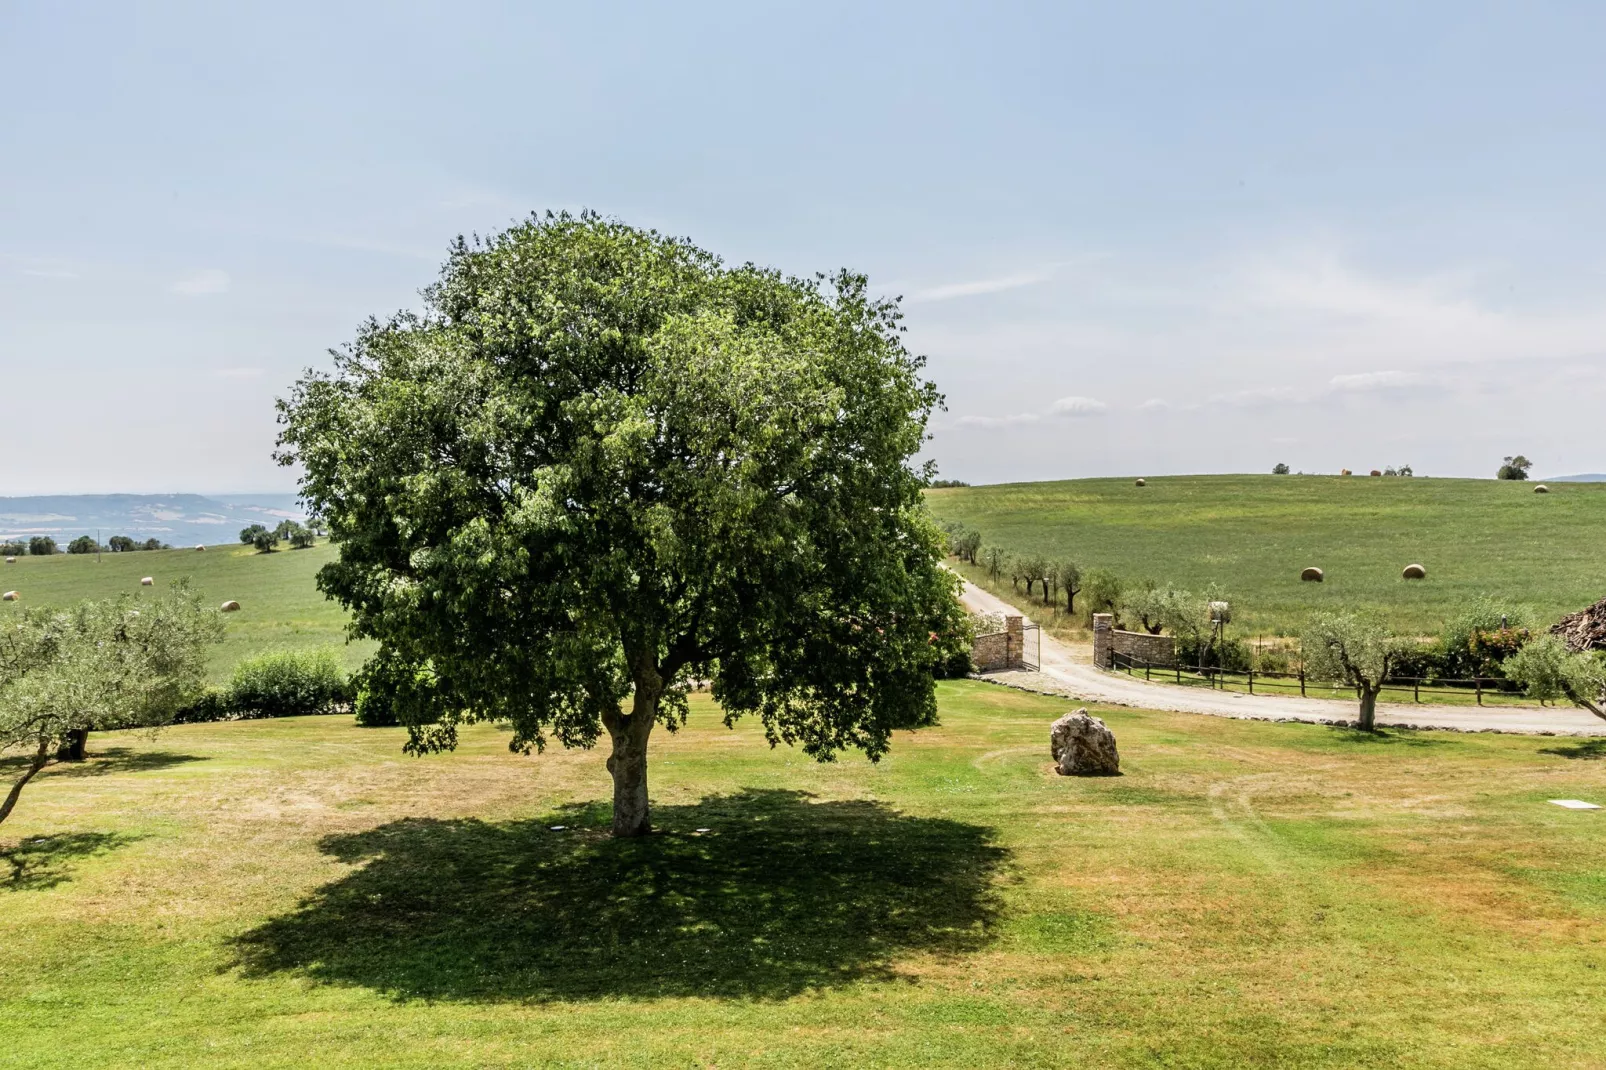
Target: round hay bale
1414,572
200,548
1345,472
11,560
1376,472
1143,482
9,596
146,581
1312,575
230,606
1541,489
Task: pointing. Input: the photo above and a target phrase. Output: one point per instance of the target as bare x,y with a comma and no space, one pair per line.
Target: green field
280,608
274,893
1253,535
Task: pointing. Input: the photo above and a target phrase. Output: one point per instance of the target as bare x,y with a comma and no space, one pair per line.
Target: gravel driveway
1068,670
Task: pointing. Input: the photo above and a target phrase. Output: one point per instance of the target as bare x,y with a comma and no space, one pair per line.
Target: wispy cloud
976,287
1076,406
1370,381
208,281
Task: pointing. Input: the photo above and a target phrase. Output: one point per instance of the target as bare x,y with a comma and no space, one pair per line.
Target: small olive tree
1548,670
1356,649
1070,578
994,559
120,663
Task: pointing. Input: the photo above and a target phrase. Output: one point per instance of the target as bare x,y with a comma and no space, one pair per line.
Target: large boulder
1083,746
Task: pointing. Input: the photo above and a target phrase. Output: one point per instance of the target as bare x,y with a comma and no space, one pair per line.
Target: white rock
1083,746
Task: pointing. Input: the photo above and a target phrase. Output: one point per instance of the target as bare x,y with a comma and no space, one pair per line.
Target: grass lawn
280,608
286,893
1253,535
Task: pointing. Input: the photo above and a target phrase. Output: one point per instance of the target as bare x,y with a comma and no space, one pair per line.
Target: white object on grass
559,828
1574,804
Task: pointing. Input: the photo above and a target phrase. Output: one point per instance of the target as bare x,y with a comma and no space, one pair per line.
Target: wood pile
1584,630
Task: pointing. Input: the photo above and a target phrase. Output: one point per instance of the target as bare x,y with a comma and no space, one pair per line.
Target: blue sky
1132,238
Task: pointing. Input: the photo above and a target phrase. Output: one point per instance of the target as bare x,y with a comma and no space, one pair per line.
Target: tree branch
40,760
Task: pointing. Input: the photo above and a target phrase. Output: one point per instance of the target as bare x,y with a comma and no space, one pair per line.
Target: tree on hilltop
41,546
600,466
1514,468
83,544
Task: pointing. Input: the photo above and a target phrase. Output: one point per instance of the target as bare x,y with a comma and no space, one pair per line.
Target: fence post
1416,688
1177,668
1301,681
1251,681
1477,682
1146,675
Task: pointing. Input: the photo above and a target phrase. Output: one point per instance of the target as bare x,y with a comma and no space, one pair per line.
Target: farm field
1253,535
280,607
1247,894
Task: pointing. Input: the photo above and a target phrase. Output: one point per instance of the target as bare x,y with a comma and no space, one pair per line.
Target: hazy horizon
1147,239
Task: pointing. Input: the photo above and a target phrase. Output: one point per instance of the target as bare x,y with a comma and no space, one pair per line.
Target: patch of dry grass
262,893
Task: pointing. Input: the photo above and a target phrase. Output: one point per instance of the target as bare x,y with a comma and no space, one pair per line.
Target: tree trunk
1368,721
628,762
1070,600
40,760
74,747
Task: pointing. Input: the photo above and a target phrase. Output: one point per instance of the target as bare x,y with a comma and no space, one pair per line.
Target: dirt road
1069,670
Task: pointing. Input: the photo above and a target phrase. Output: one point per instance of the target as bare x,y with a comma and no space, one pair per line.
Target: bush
83,544
41,546
212,705
293,683
1465,654
13,548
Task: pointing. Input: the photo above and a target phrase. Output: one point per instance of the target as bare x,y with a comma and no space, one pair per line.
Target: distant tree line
44,546
267,540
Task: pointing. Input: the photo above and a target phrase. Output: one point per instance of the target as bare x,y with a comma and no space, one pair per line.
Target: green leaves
1548,670
602,459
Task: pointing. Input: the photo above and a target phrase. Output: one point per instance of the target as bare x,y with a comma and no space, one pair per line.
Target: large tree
601,466
121,663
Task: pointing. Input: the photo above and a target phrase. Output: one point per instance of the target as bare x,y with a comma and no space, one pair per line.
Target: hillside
280,608
1253,534
177,519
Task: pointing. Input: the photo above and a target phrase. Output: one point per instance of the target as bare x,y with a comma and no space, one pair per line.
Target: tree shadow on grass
102,763
1397,737
1591,749
42,861
780,895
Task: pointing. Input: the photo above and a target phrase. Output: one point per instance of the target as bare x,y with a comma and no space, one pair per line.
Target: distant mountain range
1587,477
180,519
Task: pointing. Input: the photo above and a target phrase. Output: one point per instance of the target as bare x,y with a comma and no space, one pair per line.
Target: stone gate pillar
1103,627
1014,643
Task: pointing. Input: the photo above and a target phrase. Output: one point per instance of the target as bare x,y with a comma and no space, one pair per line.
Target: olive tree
995,559
120,663
1070,579
1548,670
1356,649
599,466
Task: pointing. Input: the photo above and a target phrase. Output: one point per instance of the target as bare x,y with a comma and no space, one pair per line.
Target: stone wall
1108,640
1000,650
1154,649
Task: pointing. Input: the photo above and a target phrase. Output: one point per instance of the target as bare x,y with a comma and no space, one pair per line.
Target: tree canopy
600,466
1357,649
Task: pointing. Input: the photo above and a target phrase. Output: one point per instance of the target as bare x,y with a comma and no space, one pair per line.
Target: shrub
14,548
292,683
1462,658
211,705
41,546
83,544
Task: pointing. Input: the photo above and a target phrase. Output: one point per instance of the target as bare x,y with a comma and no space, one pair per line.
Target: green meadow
1247,894
1253,535
280,606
